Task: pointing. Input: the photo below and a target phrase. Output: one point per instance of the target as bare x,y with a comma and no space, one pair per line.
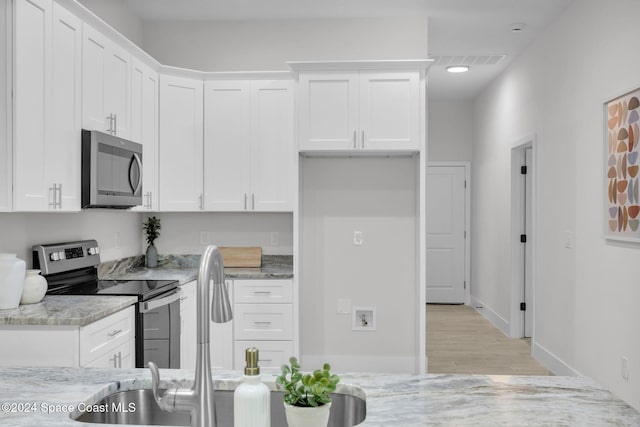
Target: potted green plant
307,399
151,228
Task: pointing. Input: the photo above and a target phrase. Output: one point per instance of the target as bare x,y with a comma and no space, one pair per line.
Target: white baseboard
552,362
493,317
341,363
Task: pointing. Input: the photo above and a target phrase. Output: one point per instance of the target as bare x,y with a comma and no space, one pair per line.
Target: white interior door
446,219
528,263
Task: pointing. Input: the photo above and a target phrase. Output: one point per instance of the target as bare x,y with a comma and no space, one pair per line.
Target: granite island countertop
392,399
73,310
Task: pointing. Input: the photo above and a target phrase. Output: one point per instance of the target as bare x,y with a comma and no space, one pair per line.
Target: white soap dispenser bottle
251,400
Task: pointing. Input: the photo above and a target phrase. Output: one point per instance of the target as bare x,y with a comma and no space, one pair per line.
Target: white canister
35,286
12,271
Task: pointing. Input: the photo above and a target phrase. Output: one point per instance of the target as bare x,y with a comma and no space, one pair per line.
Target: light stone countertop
392,399
73,310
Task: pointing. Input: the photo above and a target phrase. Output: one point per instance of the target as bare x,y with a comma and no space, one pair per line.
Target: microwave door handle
135,189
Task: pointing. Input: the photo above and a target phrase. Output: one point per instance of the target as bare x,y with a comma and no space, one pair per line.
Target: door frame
467,223
516,324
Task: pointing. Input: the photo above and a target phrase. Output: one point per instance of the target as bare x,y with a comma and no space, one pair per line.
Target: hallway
461,341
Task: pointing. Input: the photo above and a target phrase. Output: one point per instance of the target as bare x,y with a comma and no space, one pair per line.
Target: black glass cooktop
143,289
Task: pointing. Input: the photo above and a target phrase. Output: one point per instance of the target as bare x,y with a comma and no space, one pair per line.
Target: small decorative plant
151,228
306,390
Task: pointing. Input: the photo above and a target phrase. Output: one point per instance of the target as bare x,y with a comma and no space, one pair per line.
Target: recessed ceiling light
458,68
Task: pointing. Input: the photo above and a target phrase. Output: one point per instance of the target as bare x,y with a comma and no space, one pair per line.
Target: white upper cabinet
249,149
46,145
144,129
5,107
106,85
227,135
181,144
359,110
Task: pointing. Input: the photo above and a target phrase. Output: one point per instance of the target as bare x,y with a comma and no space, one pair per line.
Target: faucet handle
155,383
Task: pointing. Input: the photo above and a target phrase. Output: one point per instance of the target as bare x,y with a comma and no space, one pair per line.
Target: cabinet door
118,89
181,144
62,154
389,111
272,146
32,104
188,326
226,149
94,68
144,129
328,111
5,108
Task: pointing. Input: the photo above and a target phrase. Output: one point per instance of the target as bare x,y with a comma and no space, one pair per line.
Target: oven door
158,337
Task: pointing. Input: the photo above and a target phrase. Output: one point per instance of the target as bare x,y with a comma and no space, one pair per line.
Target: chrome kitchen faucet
199,398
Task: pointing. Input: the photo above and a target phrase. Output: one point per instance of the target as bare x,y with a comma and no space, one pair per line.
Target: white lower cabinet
5,107
107,343
220,335
263,318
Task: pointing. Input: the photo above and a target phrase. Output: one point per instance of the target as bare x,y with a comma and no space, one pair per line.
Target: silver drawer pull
262,323
262,292
114,333
266,360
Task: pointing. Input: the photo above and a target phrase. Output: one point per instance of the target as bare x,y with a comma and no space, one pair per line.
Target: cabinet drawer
263,291
271,354
120,357
263,322
99,337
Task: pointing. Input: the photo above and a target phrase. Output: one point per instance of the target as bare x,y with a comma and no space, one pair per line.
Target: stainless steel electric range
71,269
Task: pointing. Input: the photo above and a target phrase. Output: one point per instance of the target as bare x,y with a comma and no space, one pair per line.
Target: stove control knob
93,251
62,255
53,256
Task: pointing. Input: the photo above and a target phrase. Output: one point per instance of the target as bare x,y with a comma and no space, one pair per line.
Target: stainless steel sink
346,410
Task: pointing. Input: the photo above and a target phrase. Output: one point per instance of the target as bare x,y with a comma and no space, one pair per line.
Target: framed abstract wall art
622,132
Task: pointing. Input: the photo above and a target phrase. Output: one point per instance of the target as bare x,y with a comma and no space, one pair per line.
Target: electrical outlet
275,238
343,306
357,238
363,318
624,368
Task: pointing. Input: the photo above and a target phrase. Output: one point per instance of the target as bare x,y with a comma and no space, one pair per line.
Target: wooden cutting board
233,256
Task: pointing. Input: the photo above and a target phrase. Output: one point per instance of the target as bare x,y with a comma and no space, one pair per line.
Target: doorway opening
523,238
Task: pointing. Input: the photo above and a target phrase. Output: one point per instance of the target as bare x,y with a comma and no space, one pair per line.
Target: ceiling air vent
475,60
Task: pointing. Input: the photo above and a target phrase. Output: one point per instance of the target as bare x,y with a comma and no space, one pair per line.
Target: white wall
5,108
266,45
118,15
377,197
450,130
191,233
586,314
117,233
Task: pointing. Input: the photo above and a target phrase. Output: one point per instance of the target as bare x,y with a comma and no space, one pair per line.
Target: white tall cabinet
5,106
359,111
106,84
144,129
181,144
47,107
249,148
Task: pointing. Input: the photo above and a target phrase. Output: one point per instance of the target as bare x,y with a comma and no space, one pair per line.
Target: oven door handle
148,306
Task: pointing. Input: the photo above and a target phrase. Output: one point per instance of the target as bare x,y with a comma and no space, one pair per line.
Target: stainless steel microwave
111,171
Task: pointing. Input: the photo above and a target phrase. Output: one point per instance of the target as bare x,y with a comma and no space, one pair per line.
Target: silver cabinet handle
119,359
261,323
362,138
150,200
354,139
52,196
59,196
115,124
114,333
262,292
253,202
245,201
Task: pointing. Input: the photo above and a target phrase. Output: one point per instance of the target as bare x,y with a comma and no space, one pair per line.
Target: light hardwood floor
460,340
